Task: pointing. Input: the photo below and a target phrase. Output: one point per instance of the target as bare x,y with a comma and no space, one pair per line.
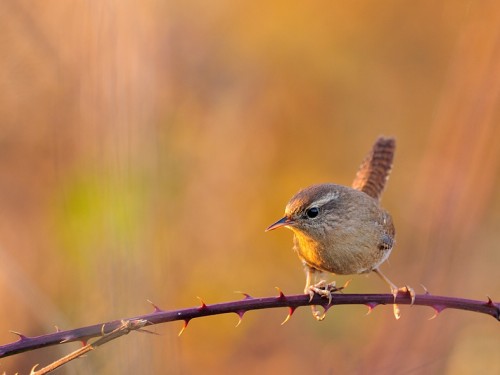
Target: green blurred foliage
87,210
145,146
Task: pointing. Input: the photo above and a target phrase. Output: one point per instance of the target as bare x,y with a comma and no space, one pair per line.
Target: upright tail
375,168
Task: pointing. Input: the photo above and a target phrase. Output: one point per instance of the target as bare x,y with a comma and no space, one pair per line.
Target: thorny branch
240,307
125,328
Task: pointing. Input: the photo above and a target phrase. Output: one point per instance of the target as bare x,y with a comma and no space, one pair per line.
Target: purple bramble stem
438,303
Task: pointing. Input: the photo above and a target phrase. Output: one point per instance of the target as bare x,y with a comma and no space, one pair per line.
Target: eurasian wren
343,230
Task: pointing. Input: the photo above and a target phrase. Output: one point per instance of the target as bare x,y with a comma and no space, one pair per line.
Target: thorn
240,317
371,306
33,369
57,329
21,336
157,309
437,311
291,310
184,326
203,305
247,296
346,284
84,342
490,303
281,296
426,291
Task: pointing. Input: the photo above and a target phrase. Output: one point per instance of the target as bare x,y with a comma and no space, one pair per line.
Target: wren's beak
283,222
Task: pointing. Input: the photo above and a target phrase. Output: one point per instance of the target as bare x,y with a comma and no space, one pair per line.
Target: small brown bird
343,230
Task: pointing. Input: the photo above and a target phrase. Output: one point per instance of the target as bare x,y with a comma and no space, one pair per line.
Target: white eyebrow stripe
327,198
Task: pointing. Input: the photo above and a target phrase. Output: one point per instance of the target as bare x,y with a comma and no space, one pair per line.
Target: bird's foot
319,316
324,290
406,290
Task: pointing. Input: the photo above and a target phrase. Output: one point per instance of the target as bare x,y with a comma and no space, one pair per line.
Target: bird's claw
317,314
324,290
406,290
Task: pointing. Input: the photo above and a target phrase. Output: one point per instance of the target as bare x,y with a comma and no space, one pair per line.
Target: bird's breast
339,255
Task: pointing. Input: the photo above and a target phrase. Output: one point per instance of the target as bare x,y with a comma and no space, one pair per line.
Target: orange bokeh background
145,146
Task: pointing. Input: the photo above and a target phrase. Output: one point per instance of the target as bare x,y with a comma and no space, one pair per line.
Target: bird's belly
341,260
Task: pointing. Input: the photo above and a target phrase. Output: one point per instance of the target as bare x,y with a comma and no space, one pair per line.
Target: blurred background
145,146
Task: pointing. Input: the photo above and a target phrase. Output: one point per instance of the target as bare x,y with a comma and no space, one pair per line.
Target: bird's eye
312,212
